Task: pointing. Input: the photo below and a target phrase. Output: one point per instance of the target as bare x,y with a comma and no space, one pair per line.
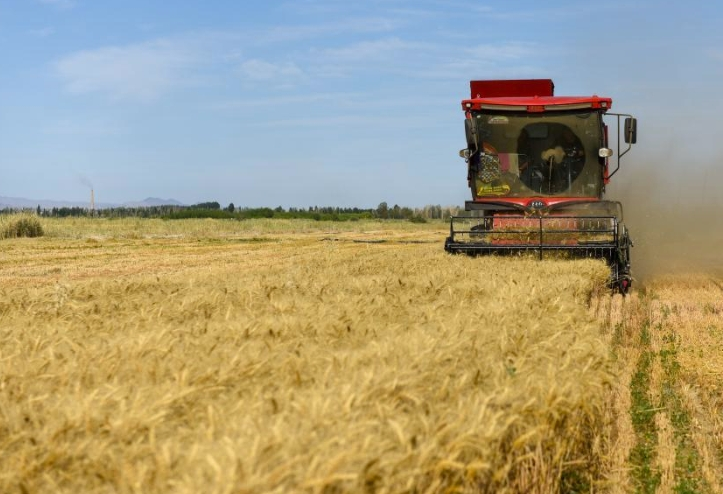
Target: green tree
207,205
383,210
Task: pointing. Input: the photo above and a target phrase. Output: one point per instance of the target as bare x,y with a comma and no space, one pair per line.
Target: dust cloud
673,206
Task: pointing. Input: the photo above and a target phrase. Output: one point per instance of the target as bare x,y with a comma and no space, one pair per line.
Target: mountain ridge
24,203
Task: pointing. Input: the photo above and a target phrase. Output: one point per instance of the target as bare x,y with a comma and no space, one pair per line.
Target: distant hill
21,202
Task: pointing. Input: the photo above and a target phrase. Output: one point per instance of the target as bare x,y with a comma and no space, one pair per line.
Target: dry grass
691,322
20,225
273,360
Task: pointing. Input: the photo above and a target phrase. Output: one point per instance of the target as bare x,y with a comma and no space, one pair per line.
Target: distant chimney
92,203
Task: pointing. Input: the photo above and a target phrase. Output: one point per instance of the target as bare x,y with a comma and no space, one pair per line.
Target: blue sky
325,102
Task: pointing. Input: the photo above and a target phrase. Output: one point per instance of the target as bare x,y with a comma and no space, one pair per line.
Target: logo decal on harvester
498,120
537,204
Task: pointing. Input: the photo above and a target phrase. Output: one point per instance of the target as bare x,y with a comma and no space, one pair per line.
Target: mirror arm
620,154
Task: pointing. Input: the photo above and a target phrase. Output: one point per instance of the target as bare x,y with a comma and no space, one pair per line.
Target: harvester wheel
620,280
624,285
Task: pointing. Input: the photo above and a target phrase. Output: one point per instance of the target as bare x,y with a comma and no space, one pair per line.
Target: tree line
214,210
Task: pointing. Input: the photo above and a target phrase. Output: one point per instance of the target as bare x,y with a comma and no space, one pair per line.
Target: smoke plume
85,181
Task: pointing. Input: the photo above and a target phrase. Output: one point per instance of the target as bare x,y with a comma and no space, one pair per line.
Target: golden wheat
137,228
285,361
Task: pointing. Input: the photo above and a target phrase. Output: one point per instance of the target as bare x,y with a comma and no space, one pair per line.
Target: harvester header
537,166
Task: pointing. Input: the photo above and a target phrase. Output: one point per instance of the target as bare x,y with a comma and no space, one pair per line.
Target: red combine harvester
537,168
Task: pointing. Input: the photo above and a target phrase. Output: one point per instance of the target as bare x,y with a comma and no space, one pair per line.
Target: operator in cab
563,161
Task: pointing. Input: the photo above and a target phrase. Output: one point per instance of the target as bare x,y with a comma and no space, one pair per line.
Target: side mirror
470,130
631,130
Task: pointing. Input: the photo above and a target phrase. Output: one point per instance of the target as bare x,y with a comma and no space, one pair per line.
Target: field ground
294,356
668,402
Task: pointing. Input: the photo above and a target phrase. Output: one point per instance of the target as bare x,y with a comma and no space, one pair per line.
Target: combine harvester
537,168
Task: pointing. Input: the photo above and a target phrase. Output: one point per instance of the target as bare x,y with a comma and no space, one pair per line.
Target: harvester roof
530,95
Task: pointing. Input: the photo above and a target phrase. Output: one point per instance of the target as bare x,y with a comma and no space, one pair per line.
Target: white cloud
389,55
415,59
141,71
262,71
361,25
301,99
371,50
499,52
80,127
329,121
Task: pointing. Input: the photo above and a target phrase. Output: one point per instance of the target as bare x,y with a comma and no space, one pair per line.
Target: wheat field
292,356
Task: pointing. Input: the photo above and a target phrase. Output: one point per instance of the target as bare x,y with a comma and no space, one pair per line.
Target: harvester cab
537,169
